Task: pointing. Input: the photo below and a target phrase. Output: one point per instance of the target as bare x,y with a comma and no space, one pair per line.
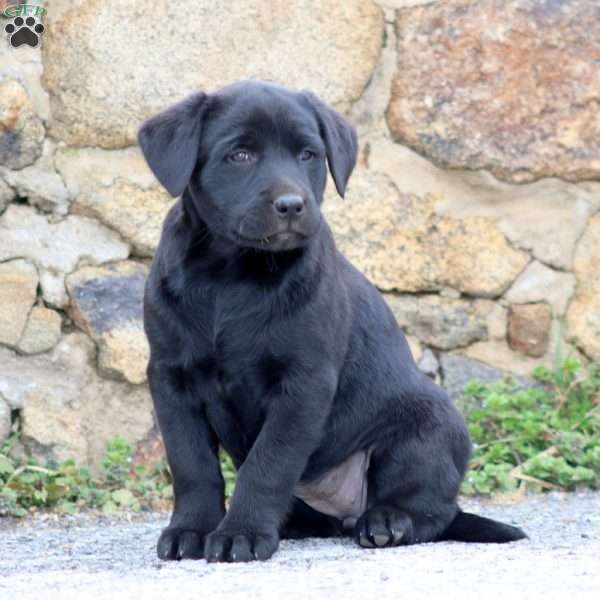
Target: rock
529,328
415,347
58,247
85,170
526,214
438,322
400,243
458,371
101,86
135,213
106,303
42,331
6,195
583,316
21,130
509,88
18,290
496,318
40,183
5,421
68,411
539,283
498,354
429,364
53,287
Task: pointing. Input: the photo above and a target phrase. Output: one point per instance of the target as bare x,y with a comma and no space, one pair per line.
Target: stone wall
475,205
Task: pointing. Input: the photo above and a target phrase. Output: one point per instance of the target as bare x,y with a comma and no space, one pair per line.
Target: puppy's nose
289,205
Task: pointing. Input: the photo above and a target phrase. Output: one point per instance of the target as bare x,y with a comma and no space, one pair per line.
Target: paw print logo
24,31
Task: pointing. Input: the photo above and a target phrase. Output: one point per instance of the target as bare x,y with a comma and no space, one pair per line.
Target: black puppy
267,341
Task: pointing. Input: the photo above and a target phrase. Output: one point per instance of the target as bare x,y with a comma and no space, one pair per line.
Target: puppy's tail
468,527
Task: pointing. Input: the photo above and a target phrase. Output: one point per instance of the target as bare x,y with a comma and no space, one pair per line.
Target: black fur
266,341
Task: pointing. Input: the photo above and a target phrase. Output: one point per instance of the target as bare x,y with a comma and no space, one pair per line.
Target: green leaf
6,466
123,497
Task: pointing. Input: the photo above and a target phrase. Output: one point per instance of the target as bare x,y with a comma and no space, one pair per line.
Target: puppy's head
254,158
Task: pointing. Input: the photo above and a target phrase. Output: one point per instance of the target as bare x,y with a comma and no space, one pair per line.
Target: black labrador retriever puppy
266,341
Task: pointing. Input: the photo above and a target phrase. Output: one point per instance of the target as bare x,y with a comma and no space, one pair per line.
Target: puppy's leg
303,522
415,475
192,454
263,493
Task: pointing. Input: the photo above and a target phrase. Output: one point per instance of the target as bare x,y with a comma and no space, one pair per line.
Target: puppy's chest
237,372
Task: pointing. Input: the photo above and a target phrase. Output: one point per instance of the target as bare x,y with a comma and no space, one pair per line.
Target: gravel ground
110,558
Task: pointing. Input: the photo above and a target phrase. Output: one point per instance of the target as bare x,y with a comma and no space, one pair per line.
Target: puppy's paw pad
177,544
231,546
383,526
24,31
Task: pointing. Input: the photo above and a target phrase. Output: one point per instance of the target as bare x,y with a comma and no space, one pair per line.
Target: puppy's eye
240,156
306,155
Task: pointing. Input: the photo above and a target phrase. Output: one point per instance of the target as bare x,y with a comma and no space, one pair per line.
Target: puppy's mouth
280,238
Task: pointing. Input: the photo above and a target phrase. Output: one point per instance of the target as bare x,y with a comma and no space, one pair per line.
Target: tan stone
102,86
399,242
499,355
527,214
509,87
583,316
18,289
442,323
21,130
106,303
42,331
67,409
529,328
57,247
126,352
136,214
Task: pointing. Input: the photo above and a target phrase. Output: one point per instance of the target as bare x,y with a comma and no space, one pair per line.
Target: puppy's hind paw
383,526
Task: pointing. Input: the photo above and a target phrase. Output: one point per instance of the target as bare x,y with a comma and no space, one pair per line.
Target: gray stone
6,194
442,323
106,303
40,183
458,370
429,364
53,287
57,246
539,283
5,420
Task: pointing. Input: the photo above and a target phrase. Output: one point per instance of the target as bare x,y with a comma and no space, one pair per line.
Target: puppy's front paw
240,546
176,543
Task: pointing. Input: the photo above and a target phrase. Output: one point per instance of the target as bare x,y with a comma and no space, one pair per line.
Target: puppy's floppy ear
170,142
340,142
